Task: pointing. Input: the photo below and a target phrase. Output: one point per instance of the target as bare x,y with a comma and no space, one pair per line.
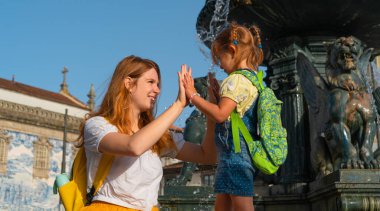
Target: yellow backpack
74,194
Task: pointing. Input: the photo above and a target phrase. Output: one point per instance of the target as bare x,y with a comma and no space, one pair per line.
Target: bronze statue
342,117
194,131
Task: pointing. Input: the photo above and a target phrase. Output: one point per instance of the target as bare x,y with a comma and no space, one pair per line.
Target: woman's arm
146,137
204,153
138,143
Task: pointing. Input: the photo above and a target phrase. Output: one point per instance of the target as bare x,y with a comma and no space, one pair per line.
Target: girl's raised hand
188,82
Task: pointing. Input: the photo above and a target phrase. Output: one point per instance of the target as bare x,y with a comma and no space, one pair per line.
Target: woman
124,126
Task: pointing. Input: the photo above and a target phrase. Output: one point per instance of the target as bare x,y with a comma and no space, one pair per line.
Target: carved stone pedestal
187,198
343,190
347,190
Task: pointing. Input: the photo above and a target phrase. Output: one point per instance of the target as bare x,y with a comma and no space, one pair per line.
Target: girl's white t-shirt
132,182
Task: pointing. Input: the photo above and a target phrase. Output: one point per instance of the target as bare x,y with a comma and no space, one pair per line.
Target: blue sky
40,37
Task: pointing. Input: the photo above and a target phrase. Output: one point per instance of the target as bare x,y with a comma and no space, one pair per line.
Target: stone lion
353,119
344,118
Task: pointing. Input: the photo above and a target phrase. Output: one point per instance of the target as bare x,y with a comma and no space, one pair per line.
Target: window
41,165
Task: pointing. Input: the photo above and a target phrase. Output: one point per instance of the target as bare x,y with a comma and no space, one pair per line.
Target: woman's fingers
184,69
181,89
188,82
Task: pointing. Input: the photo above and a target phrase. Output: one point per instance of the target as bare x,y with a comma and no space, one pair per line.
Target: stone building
31,142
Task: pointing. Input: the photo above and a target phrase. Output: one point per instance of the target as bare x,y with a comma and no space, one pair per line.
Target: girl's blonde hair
115,104
246,40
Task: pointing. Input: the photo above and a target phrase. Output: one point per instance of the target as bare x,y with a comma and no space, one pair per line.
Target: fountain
295,35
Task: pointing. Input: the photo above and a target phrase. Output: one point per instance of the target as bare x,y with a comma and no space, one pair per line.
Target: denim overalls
235,172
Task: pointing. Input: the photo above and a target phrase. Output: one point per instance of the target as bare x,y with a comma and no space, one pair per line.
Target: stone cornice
37,116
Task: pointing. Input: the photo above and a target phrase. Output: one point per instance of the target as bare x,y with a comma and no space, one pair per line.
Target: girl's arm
146,137
204,153
217,112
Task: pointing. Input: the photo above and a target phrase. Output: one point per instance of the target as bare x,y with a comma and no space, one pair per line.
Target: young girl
236,48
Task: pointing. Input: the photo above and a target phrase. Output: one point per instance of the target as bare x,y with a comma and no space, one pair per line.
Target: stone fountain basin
281,18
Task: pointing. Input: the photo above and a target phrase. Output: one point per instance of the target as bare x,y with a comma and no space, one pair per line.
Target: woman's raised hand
181,98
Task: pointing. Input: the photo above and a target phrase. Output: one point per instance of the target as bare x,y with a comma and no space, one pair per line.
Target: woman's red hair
115,104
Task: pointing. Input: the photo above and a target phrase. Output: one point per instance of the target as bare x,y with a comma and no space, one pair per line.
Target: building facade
32,125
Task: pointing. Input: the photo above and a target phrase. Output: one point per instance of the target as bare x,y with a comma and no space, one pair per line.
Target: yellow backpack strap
103,170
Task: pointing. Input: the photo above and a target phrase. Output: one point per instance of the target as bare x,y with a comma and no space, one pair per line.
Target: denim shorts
235,173
236,180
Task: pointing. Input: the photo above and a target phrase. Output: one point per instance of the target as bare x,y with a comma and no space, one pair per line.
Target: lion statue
341,113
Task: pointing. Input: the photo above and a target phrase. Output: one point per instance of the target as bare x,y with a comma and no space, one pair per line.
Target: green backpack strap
236,121
256,79
260,78
238,124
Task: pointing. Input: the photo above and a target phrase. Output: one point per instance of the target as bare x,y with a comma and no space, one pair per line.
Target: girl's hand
181,98
188,82
213,89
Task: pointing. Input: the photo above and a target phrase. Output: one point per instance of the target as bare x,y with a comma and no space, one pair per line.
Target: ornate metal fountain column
285,82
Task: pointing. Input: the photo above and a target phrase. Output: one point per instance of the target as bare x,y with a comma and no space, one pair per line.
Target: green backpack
271,150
